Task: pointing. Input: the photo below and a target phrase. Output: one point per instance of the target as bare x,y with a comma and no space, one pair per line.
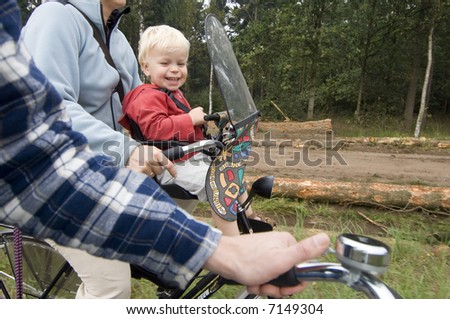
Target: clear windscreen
231,82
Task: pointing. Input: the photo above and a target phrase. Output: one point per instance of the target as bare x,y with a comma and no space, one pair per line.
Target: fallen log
299,134
295,143
397,142
312,127
295,134
376,194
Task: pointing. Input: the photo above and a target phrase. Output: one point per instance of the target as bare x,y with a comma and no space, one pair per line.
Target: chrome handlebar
362,260
369,284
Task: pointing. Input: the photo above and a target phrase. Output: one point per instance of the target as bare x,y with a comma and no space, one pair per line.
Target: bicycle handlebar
174,153
212,117
178,152
367,283
220,118
361,258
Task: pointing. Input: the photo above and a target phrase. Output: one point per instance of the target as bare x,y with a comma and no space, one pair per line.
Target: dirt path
353,163
357,166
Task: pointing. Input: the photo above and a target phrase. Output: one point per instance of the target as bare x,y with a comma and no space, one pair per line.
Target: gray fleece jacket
62,44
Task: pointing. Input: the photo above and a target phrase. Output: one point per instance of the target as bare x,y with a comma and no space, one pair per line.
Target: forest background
375,68
369,61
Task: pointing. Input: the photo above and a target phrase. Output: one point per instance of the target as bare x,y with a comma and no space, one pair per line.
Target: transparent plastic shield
231,82
225,177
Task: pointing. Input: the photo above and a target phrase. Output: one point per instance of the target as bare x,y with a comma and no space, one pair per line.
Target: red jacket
158,116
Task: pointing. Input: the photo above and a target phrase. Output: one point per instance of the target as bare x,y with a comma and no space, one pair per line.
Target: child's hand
197,116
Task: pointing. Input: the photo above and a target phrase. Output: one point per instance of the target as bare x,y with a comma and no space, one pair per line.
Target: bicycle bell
362,254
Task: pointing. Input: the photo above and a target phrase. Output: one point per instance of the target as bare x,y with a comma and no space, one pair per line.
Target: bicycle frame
47,273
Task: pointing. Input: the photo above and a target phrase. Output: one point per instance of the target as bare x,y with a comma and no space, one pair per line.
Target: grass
435,127
420,265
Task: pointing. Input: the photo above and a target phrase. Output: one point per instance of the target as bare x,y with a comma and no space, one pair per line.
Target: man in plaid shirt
52,186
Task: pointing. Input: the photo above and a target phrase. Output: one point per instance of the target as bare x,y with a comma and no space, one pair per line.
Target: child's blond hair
163,37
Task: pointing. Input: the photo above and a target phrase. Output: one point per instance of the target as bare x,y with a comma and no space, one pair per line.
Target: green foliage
287,48
334,55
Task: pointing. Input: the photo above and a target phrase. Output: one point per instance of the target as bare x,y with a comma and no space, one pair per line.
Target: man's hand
255,259
150,161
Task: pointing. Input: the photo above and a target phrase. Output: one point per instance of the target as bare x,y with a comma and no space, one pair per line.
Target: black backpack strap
177,102
180,105
98,37
135,131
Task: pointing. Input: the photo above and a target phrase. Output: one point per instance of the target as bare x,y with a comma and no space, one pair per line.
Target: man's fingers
295,253
160,160
304,250
148,170
276,292
311,247
171,169
152,169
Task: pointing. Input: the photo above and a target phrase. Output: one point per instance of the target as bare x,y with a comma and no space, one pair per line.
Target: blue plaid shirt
52,186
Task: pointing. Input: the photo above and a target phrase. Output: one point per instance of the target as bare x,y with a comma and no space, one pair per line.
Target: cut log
397,141
293,134
296,129
295,143
377,194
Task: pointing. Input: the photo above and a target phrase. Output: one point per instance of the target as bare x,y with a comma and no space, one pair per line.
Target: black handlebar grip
212,117
288,279
174,153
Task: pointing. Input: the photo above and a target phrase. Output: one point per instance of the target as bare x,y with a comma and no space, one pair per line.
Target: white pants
101,278
191,175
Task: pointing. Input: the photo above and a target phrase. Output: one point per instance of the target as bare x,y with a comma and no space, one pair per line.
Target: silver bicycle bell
362,254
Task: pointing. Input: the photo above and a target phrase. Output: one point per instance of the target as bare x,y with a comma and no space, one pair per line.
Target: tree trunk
141,20
311,101
317,12
364,60
412,89
408,115
426,83
365,194
211,78
359,98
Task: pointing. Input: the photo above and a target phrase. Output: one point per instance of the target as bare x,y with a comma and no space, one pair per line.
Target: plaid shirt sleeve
52,186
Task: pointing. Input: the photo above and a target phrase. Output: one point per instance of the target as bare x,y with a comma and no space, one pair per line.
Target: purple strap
18,270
